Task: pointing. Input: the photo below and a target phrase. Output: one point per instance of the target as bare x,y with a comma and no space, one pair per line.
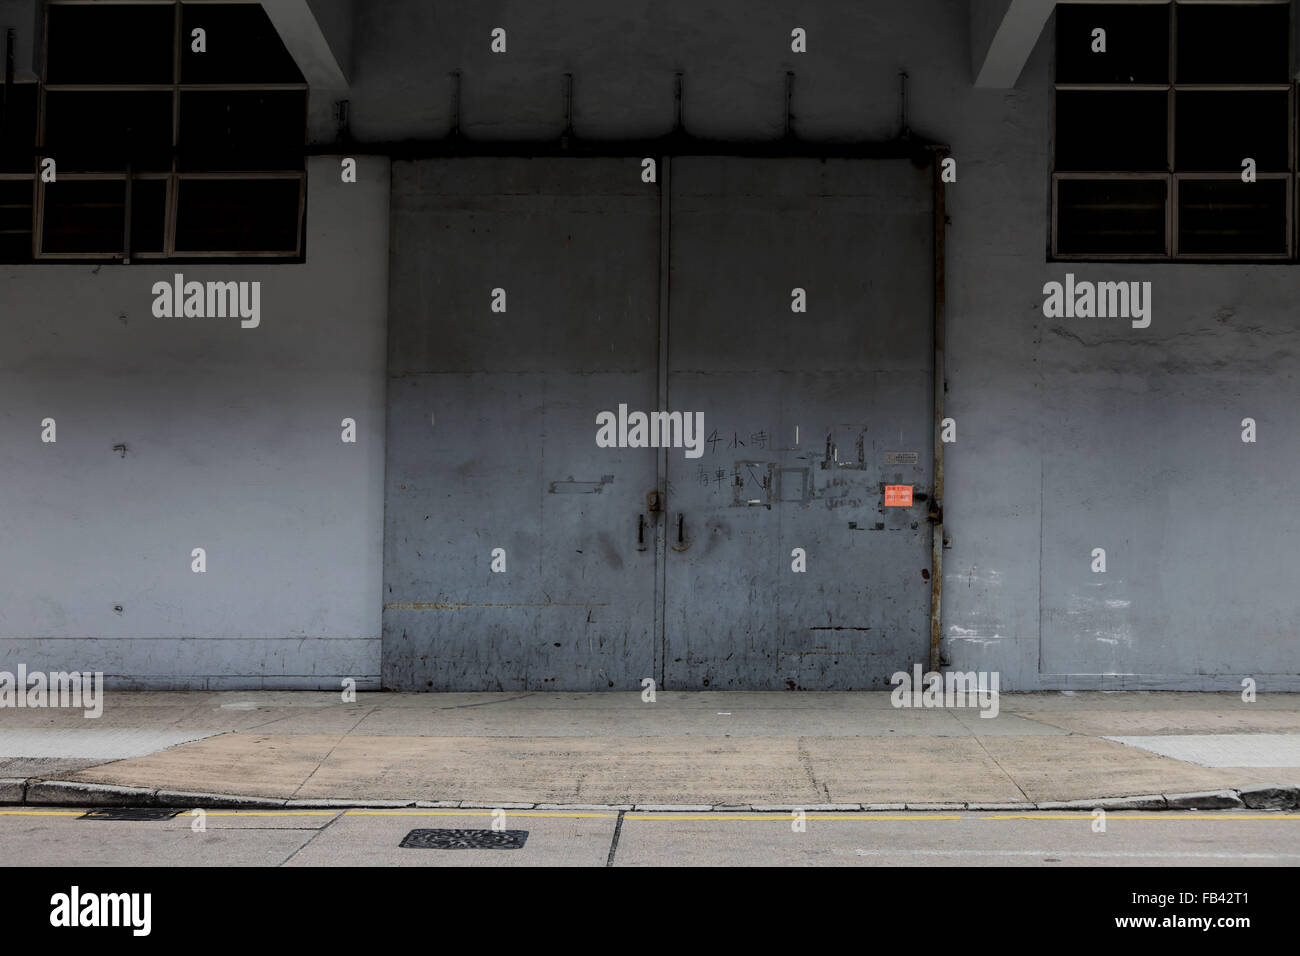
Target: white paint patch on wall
972,635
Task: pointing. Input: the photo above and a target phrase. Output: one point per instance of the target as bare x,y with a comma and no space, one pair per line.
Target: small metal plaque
898,496
449,839
902,457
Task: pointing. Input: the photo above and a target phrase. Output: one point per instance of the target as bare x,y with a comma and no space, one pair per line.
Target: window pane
148,215
18,129
1233,43
110,43
1229,216
1137,44
1110,217
1123,131
94,132
84,216
242,46
1216,131
243,130
243,215
15,220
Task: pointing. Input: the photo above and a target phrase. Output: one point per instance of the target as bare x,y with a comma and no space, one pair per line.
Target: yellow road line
1173,816
480,813
266,813
775,816
785,816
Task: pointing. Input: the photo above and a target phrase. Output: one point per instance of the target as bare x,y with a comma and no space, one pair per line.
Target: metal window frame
1172,176
174,176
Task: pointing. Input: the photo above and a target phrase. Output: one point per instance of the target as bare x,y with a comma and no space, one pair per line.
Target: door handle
681,526
640,532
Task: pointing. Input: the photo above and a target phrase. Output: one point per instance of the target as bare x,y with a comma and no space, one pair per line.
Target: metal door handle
640,532
681,523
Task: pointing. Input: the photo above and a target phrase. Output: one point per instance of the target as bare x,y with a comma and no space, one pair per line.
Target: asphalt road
60,837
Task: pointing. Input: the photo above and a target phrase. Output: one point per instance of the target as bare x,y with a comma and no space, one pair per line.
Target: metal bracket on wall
454,133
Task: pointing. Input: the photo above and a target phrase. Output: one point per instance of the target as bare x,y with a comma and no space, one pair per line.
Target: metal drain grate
129,813
445,839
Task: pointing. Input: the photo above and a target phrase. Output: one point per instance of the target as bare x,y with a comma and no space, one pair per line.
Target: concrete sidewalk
696,750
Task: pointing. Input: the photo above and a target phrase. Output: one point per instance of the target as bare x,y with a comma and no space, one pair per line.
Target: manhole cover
464,839
129,813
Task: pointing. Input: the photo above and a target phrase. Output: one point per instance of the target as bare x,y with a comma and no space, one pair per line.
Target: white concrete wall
1072,434
233,445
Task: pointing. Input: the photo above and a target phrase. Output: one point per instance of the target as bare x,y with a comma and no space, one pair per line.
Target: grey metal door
809,415
491,429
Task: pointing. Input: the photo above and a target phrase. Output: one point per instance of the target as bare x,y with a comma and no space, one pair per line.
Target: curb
73,793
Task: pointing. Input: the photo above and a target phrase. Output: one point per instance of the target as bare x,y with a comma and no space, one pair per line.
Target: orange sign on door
898,496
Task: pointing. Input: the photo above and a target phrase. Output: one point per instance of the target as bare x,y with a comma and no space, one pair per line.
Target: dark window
108,43
238,215
15,219
242,46
1123,215
148,215
1219,214
1137,44
242,129
108,131
1105,131
18,128
1152,133
1234,43
161,151
1214,130
84,216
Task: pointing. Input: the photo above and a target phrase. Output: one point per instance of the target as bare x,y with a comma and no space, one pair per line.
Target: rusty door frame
681,143
658,634
939,376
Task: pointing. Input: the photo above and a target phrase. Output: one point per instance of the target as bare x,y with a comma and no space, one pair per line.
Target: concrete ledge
73,793
1205,800
190,801
1256,798
1154,802
359,805
76,794
12,790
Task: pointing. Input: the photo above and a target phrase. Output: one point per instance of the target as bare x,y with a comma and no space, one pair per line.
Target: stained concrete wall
233,444
1072,434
